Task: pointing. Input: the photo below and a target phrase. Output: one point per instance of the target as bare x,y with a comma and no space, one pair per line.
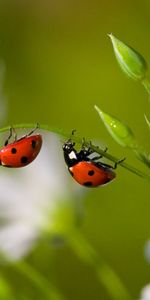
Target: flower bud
120,132
130,61
147,121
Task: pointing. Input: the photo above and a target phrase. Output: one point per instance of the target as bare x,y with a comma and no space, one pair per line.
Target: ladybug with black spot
20,152
85,170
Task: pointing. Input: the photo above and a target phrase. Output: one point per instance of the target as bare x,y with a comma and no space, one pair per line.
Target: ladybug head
70,154
68,146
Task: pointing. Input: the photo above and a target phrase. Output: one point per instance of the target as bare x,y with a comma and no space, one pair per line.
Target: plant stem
6,292
122,164
38,280
79,140
105,274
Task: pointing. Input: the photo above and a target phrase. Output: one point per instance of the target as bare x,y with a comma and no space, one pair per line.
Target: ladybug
20,152
85,170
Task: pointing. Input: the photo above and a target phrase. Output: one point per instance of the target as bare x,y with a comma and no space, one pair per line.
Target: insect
20,152
85,170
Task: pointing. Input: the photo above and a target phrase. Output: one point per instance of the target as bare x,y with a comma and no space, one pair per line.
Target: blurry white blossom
147,251
31,196
145,293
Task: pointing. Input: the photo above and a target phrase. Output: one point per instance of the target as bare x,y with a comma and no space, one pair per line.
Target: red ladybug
20,152
86,171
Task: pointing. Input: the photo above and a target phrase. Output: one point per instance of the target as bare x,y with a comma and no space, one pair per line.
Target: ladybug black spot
13,150
33,144
24,159
91,173
87,183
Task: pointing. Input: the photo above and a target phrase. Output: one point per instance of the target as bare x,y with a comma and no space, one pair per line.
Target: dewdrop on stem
119,131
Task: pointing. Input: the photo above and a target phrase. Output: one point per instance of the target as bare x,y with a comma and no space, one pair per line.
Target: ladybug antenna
9,137
72,134
69,141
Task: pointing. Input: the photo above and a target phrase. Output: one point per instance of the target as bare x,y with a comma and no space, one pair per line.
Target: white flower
145,293
30,196
147,251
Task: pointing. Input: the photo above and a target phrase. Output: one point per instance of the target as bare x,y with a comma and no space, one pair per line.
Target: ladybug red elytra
20,152
85,170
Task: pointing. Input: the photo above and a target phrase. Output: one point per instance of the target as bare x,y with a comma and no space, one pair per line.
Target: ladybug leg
28,134
11,132
83,144
32,131
100,156
84,152
105,150
14,134
9,137
96,157
90,147
86,149
73,131
117,163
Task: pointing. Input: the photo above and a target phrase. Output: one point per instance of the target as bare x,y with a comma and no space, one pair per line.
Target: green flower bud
120,132
130,61
147,121
142,156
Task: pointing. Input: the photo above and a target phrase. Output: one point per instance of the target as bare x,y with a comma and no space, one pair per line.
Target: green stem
38,280
142,156
6,292
146,84
122,164
79,140
105,274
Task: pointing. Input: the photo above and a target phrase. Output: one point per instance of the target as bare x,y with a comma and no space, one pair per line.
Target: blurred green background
59,63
